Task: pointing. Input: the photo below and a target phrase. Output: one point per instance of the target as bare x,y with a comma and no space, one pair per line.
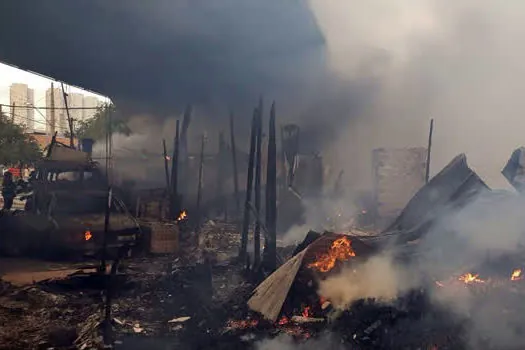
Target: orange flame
469,278
183,215
307,312
87,235
284,320
341,249
516,275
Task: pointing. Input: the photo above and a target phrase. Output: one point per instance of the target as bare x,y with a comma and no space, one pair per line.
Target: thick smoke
377,278
483,238
460,63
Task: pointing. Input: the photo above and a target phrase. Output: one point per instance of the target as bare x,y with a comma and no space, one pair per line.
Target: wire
41,107
47,123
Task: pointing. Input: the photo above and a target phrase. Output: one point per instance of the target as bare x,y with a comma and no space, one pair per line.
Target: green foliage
97,127
15,146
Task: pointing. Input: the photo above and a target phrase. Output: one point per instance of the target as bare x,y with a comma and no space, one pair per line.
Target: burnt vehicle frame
65,211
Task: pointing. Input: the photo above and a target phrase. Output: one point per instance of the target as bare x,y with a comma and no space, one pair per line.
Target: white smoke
459,63
378,278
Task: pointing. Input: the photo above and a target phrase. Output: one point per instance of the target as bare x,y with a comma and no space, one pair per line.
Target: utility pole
69,120
234,162
427,172
270,250
257,231
249,187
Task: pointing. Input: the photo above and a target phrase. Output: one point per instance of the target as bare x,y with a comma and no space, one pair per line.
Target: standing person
8,190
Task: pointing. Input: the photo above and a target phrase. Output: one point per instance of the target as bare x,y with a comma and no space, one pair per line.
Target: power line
46,123
35,107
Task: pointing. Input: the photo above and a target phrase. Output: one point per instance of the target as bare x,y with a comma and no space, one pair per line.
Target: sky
39,83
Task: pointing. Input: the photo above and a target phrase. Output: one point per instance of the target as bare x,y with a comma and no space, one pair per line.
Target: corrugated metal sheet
454,186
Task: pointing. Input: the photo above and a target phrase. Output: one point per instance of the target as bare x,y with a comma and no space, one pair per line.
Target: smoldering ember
92,263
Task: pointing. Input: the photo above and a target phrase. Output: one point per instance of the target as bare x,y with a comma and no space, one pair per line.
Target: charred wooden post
270,251
221,161
199,185
249,186
290,145
257,231
110,291
174,193
234,162
103,260
166,166
427,172
183,154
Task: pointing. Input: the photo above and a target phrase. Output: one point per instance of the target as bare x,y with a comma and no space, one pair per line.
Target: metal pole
427,172
235,173
166,166
249,186
257,231
271,196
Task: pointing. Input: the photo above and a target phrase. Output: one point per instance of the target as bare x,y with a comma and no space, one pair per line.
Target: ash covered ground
198,300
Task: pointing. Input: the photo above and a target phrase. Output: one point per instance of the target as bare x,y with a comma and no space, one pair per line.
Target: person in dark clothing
8,190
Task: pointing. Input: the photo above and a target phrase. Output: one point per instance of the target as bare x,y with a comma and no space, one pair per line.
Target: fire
516,275
307,312
183,215
470,278
87,235
324,302
284,320
341,249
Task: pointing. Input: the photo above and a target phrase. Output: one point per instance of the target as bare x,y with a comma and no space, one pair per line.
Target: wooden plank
268,298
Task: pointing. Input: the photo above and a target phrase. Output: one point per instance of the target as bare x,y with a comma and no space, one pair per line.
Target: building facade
92,103
56,117
36,101
21,99
75,101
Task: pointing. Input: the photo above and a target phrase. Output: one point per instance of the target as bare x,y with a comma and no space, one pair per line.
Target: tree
15,146
96,127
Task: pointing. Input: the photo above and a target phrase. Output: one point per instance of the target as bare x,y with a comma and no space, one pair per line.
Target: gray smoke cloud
459,63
